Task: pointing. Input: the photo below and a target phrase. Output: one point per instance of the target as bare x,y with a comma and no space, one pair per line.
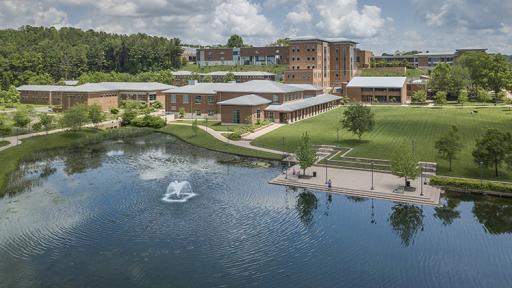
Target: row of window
307,58
198,99
297,49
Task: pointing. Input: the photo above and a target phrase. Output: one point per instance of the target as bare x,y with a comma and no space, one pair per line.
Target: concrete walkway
359,183
219,136
16,140
263,131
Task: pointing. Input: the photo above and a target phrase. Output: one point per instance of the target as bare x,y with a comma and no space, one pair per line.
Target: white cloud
296,17
343,18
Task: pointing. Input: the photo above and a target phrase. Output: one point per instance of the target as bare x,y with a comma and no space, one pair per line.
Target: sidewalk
263,131
359,183
16,140
219,136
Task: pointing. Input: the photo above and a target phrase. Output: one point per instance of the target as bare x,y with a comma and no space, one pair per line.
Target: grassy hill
396,126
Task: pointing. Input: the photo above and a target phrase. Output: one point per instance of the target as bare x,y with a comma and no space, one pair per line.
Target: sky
380,26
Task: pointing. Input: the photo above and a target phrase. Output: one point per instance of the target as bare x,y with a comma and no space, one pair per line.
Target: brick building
242,56
324,62
247,102
377,89
182,78
106,94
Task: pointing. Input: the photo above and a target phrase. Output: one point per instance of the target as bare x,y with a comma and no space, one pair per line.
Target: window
211,99
258,114
185,99
313,58
275,99
173,98
298,58
198,99
307,58
198,112
236,116
211,112
152,97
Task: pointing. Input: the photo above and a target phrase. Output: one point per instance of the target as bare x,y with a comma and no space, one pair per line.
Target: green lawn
215,125
10,158
402,125
4,143
205,140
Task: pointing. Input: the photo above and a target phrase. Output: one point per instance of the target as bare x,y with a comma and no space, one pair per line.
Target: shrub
37,126
114,111
471,184
148,121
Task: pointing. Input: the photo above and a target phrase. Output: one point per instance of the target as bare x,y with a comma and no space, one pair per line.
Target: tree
358,119
449,145
206,78
12,96
76,116
194,127
281,42
181,112
235,41
229,77
463,97
96,115
476,64
440,77
21,118
493,148
404,164
5,129
500,73
41,79
458,80
482,95
131,109
305,153
157,105
419,97
440,97
46,121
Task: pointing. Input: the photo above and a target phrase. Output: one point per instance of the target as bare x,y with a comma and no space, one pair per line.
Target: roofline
321,39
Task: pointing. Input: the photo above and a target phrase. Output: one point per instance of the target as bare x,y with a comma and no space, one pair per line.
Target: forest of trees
39,55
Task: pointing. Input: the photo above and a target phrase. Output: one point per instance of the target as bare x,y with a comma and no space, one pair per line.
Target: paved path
358,183
219,136
263,131
16,140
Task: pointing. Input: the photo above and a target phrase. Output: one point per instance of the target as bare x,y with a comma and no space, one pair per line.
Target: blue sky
381,26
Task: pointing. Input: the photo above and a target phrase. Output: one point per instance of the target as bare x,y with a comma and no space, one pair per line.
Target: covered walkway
290,112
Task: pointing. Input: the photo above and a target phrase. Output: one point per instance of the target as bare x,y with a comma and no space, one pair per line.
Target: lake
99,217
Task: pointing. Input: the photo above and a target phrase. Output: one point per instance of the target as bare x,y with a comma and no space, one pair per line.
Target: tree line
478,74
40,55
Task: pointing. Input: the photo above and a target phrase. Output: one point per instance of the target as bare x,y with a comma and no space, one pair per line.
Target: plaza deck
358,183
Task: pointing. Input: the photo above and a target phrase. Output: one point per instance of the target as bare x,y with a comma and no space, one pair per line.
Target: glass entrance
236,116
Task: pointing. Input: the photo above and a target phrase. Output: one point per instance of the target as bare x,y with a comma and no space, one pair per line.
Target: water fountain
178,192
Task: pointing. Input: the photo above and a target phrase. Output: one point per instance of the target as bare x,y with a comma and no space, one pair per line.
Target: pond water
99,217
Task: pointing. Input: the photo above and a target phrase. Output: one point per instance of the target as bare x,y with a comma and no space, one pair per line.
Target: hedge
471,184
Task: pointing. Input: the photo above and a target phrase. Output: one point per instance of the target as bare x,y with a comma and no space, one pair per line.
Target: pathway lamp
326,181
337,136
421,168
481,172
372,175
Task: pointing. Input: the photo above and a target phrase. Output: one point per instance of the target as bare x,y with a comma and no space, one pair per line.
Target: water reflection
307,203
80,160
448,213
406,221
494,215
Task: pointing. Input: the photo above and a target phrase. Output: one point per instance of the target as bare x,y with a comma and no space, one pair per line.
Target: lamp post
326,181
337,136
284,154
481,172
372,175
421,168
